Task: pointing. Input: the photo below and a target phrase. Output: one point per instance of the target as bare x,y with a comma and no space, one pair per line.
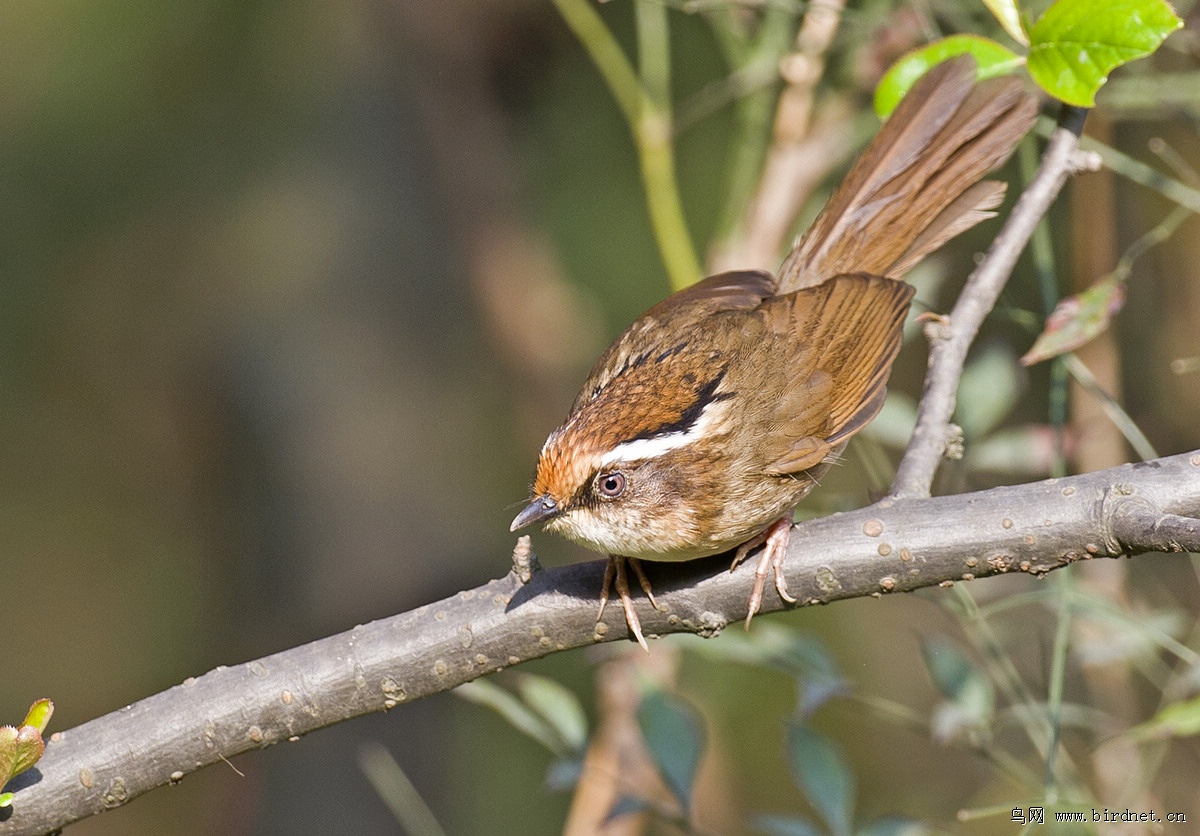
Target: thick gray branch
892,546
951,337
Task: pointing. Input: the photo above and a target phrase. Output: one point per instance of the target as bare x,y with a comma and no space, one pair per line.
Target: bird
715,412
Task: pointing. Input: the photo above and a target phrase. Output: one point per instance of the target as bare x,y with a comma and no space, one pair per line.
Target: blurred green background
290,294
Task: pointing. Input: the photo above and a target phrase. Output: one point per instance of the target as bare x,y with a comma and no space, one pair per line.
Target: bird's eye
611,485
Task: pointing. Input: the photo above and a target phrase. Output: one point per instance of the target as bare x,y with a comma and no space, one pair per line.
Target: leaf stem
644,99
1058,668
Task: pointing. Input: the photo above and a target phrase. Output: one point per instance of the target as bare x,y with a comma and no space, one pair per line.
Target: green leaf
1077,43
1077,319
547,711
5,799
970,701
675,737
949,669
558,707
1009,15
991,59
988,390
823,775
39,715
517,713
797,654
1180,719
779,647
819,677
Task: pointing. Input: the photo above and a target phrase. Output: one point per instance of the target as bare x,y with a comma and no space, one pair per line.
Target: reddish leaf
20,748
29,748
8,753
1077,319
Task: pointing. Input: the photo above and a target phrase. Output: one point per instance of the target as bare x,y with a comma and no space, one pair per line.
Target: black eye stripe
688,418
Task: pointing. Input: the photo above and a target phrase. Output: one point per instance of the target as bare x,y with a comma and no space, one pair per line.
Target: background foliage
289,295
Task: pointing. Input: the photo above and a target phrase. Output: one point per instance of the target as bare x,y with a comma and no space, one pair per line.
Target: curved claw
776,538
616,570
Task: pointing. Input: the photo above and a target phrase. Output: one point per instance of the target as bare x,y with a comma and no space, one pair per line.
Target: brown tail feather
917,184
848,332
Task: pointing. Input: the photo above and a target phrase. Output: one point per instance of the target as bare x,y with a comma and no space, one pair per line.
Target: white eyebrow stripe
650,448
646,448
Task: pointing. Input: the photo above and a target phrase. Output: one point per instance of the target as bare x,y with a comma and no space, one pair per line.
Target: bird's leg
609,571
643,581
616,569
747,547
776,537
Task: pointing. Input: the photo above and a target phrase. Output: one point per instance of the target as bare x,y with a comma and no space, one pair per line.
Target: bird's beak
539,508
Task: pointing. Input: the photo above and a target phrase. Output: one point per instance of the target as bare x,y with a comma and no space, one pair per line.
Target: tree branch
950,337
901,543
892,546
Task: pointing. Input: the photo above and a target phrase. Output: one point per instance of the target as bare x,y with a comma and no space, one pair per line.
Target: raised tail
918,183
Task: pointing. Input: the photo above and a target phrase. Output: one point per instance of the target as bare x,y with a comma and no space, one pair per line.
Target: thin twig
645,103
950,338
1142,174
654,136
1112,408
799,156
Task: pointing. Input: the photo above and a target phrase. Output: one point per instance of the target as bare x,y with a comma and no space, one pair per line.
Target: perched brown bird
706,422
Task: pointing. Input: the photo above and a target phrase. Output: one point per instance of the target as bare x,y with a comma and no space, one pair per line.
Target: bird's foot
776,537
616,570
